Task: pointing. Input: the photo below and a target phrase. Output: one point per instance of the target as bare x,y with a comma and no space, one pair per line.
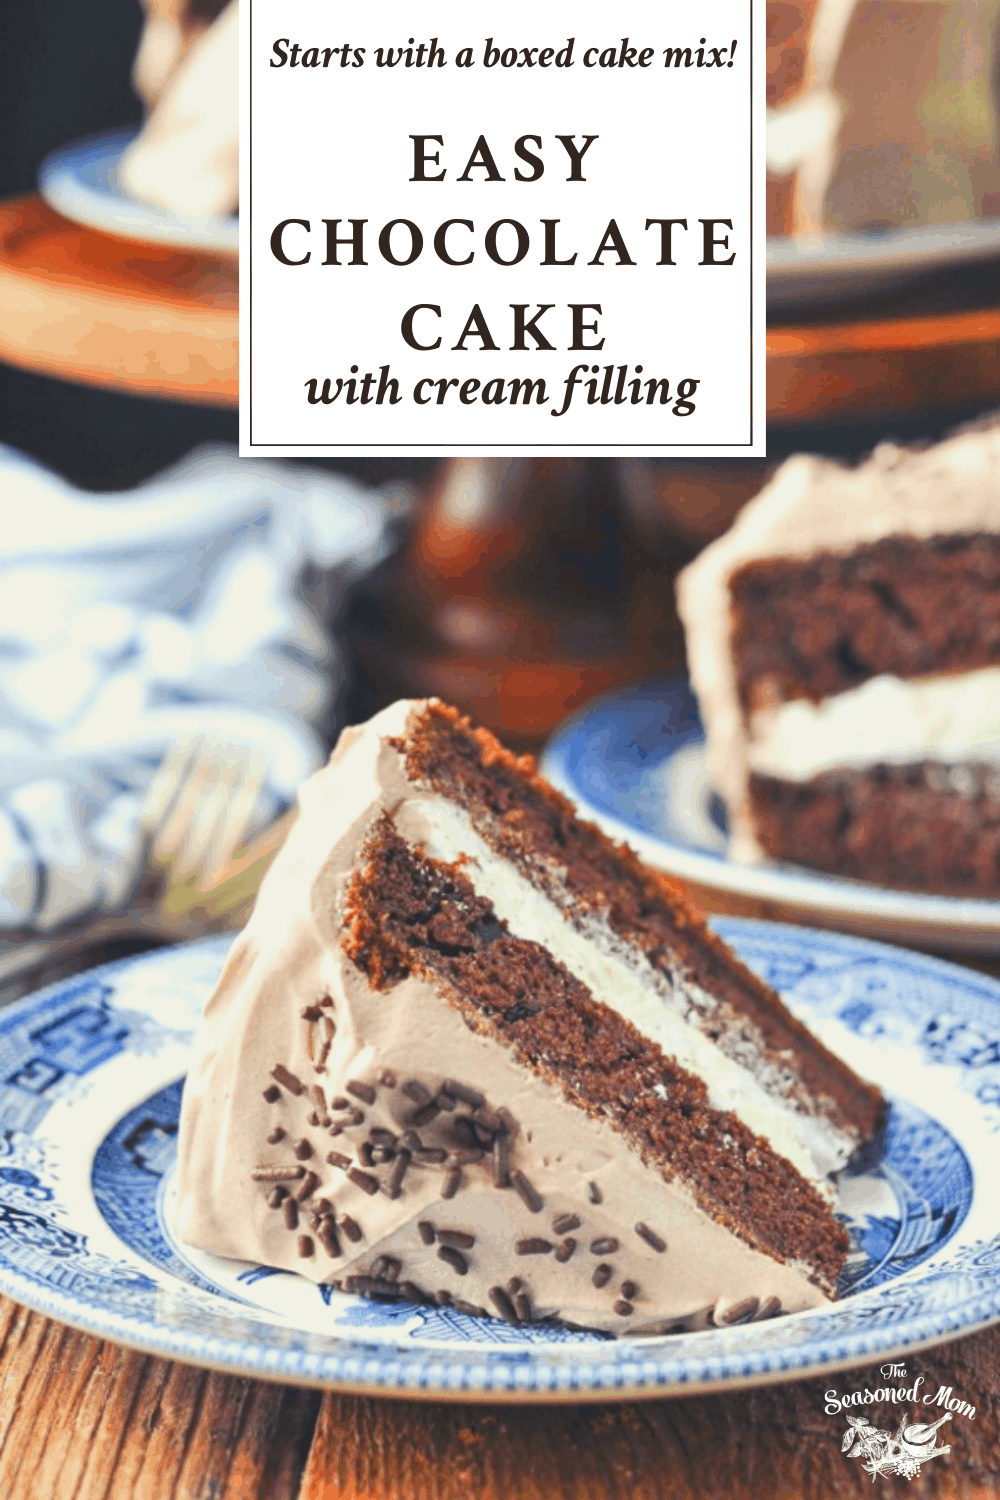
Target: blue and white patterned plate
80,181
635,762
92,1071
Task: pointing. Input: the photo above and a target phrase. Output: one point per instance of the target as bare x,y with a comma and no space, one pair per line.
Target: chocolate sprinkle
425,1229
336,1130
303,1150
769,1309
314,1118
604,1246
278,1174
338,1159
470,1309
455,1259
457,1237
624,1309
472,1097
318,1096
464,1155
413,1293
445,1101
272,1093
602,1275
398,1170
277,1196
277,1134
522,1307
515,1284
411,1141
387,1268
379,1136
501,1161
362,1180
507,1121
288,1080
565,1222
365,1154
416,1091
430,1155
443,1298
651,1237
327,1234
311,1013
426,1113
503,1304
309,1185
290,1209
306,1247
340,1103
452,1183
483,1134
533,1246
594,1193
629,1290
382,1154
351,1228
362,1091
531,1200
566,1249
387,1079
741,1312
372,1285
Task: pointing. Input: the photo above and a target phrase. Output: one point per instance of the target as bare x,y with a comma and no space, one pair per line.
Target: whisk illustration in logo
901,1452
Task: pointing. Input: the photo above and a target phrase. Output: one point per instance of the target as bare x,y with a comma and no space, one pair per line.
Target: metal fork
197,812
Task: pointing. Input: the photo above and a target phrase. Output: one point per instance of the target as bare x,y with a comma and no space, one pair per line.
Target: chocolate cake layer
410,915
925,827
525,821
813,627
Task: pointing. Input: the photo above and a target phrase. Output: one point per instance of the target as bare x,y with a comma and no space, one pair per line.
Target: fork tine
200,771
198,834
167,781
231,828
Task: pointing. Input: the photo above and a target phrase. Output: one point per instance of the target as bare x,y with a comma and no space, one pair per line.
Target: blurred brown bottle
526,587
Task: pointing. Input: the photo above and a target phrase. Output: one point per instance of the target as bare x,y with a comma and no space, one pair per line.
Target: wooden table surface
83,1420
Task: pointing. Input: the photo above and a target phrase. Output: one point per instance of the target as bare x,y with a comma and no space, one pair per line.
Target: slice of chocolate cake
844,642
467,1051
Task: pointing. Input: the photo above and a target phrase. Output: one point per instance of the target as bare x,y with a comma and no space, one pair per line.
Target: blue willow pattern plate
635,762
91,1072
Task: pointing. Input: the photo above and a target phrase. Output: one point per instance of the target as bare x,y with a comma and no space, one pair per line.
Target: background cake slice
467,1051
844,642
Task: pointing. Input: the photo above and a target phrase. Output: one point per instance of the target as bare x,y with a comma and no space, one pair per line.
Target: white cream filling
944,718
445,832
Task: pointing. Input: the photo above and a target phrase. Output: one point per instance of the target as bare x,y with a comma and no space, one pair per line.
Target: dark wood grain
85,1420
775,1443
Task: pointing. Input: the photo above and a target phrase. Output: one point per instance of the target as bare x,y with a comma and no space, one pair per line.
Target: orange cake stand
80,305
146,319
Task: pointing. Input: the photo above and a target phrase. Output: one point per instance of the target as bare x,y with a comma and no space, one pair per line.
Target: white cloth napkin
131,619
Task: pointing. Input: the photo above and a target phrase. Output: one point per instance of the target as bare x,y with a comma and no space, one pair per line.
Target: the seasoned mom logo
915,1439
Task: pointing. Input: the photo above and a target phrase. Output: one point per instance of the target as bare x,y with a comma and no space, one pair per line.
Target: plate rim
121,217
643,1376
